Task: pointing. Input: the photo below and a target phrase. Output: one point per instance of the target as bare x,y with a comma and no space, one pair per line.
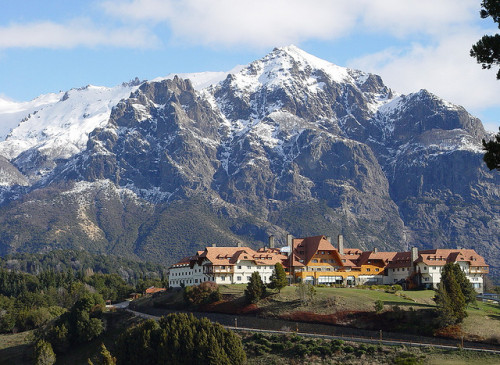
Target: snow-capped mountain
289,142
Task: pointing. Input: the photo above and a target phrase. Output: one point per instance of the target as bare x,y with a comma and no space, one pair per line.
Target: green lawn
483,322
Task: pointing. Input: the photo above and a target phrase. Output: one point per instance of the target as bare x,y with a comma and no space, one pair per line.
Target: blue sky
53,45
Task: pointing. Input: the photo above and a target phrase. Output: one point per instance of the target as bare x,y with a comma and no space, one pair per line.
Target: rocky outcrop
289,143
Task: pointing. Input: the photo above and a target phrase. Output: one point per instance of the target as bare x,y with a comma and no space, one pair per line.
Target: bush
44,355
206,292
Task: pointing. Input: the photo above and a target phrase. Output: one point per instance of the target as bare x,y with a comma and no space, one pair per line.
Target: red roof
153,290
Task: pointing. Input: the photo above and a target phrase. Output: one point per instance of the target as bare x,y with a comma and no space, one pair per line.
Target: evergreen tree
487,53
180,339
255,288
278,278
104,358
44,355
465,285
487,49
449,297
492,155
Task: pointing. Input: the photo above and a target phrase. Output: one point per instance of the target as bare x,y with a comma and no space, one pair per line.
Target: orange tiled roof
184,261
440,257
383,257
232,255
400,259
310,246
153,290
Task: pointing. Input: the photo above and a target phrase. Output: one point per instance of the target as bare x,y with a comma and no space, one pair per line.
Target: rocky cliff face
289,143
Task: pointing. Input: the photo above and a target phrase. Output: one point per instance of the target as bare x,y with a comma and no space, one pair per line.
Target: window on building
314,260
223,267
248,278
425,267
239,267
249,267
238,278
223,278
368,269
377,270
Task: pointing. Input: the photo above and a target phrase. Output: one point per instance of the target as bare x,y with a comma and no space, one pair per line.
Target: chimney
214,245
414,254
239,244
340,241
375,249
271,241
329,239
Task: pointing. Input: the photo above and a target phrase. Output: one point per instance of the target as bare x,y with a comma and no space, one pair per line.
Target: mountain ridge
289,143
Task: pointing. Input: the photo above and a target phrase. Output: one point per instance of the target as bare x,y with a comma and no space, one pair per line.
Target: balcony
216,270
479,270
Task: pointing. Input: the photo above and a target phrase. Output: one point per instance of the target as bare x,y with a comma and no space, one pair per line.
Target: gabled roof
305,249
400,259
310,245
352,252
440,257
183,262
383,258
232,255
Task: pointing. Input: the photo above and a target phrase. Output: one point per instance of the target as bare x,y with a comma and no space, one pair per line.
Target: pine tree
449,297
465,285
180,339
487,49
44,355
278,278
492,154
255,288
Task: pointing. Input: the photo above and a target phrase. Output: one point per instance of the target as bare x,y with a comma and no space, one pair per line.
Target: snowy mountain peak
282,65
57,126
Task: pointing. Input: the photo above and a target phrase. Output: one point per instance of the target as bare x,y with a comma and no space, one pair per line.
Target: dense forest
35,289
84,262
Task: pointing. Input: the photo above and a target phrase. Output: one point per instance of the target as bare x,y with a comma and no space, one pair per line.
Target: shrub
44,355
206,292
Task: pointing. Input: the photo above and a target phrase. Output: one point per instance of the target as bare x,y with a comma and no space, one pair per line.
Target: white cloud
255,23
80,32
267,23
445,69
402,18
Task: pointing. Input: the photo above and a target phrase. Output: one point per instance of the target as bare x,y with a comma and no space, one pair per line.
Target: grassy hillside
403,311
